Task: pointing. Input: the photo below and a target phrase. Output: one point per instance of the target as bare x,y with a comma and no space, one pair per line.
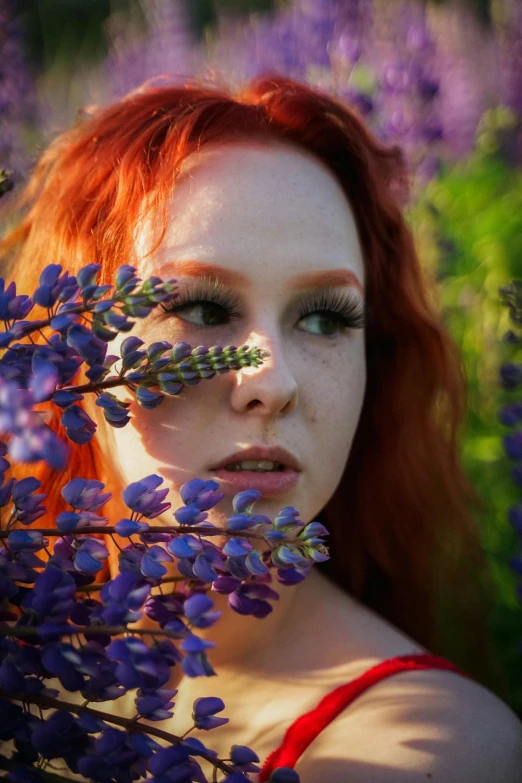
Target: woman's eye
323,323
202,313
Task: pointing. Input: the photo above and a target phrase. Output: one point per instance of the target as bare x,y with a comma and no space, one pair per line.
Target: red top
303,730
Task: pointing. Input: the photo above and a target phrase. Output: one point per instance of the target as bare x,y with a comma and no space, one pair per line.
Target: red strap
300,734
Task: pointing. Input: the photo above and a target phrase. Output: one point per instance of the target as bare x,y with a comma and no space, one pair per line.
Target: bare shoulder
419,725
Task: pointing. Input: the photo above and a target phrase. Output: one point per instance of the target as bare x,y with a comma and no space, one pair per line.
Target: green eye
216,307
210,314
323,324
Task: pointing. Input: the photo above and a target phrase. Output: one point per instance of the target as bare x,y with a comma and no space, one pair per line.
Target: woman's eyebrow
229,277
194,268
331,277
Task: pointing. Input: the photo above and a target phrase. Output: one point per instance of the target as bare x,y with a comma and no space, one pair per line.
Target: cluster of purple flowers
510,378
48,602
17,102
32,373
419,78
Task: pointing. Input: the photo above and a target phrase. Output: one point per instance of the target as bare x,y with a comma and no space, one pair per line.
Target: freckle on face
271,214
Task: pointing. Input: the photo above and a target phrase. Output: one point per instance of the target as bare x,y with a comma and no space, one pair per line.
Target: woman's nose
267,390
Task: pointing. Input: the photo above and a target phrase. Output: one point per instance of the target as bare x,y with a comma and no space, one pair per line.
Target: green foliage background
468,228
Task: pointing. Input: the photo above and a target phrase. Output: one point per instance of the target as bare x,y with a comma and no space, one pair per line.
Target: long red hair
404,534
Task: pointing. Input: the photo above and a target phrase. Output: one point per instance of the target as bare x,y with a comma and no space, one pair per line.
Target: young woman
280,216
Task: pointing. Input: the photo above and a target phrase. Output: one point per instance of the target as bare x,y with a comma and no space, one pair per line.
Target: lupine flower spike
55,621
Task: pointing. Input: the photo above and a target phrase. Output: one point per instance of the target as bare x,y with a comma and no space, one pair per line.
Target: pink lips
269,484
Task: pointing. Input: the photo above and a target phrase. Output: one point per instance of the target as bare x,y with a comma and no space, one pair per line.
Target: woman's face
260,226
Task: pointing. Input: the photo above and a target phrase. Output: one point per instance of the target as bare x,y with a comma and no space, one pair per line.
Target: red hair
404,537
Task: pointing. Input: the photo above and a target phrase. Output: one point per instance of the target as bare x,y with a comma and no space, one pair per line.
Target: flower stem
18,632
203,531
76,709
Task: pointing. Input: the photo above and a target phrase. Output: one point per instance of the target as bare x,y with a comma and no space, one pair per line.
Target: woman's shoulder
423,724
428,724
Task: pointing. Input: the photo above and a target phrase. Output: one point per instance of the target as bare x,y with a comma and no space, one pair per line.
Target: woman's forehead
274,207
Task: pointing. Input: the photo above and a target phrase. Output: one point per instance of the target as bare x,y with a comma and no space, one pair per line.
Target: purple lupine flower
115,411
197,611
144,499
513,445
284,775
44,379
52,596
79,426
185,546
17,100
128,527
463,51
243,759
510,415
287,555
156,704
51,738
31,439
69,521
55,287
90,556
85,495
90,348
202,565
254,563
40,443
151,563
251,598
288,519
63,661
110,740
26,541
515,517
147,398
64,358
225,584
510,375
237,547
202,494
102,684
195,663
244,501
5,492
168,48
28,505
13,307
190,515
204,710
239,522
140,666
168,761
4,463
163,608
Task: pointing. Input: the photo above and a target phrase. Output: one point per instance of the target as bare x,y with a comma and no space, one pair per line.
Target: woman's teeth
256,466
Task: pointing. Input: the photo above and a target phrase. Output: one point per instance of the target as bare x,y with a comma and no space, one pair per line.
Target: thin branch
200,531
76,709
19,632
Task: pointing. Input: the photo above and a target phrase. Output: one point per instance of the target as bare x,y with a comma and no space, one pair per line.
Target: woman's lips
270,484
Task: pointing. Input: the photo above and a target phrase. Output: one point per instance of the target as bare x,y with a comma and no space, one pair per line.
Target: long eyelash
212,291
348,308
350,312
